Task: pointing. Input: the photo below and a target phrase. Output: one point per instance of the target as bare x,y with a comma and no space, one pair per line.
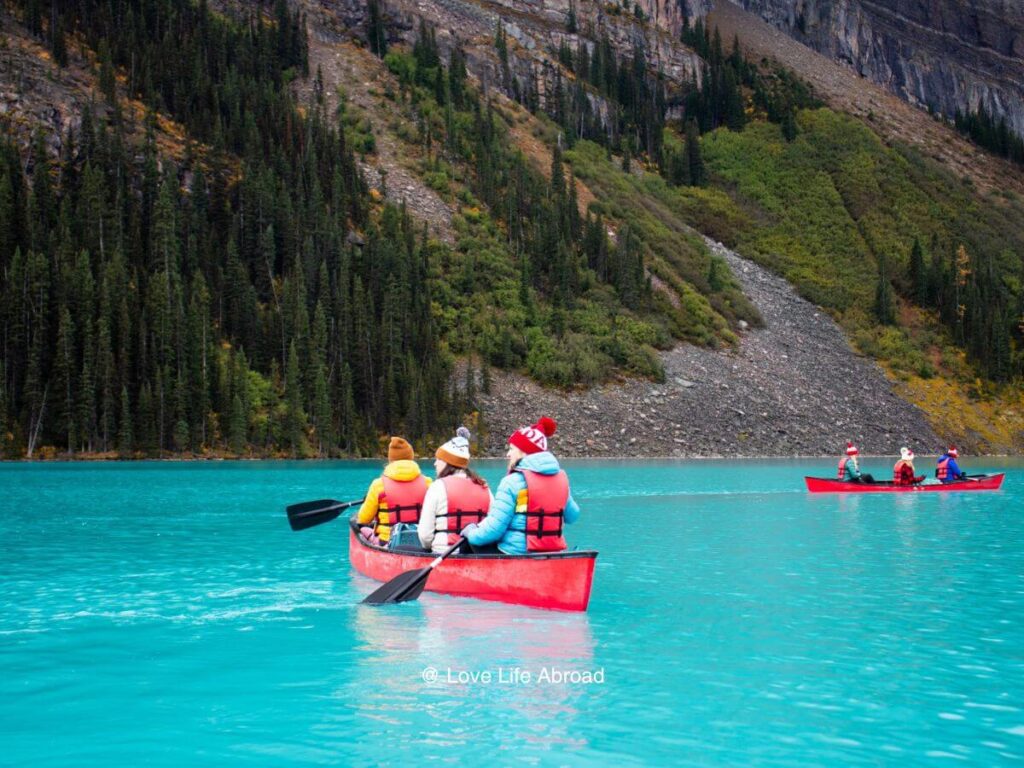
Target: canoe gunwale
468,557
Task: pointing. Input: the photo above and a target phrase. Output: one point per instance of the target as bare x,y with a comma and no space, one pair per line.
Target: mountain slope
551,205
893,118
944,55
792,388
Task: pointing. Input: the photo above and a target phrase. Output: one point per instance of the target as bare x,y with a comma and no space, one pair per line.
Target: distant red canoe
827,485
559,581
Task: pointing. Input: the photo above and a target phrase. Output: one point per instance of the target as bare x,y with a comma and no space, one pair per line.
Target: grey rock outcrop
535,30
793,388
946,55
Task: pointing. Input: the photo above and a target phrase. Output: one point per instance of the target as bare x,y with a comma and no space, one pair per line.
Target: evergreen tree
960,274
64,379
42,203
145,430
295,414
457,77
695,161
885,299
501,45
715,281
918,274
58,46
124,433
735,118
789,126
238,428
108,80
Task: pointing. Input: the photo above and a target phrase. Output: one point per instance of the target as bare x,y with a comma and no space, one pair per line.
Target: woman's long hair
450,469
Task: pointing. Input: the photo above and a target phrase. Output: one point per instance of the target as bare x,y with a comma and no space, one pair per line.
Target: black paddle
409,585
310,513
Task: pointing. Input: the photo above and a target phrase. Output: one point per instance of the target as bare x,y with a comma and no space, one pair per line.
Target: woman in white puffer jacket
458,497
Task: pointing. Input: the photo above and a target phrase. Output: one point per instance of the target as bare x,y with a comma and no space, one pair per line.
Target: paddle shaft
409,585
437,560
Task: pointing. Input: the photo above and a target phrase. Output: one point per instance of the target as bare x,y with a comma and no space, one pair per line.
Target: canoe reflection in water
426,665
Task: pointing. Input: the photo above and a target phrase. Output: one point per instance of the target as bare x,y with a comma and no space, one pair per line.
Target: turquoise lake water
165,614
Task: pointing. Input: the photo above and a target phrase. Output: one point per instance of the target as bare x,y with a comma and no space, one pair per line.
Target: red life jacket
468,503
942,470
903,473
546,497
399,502
841,475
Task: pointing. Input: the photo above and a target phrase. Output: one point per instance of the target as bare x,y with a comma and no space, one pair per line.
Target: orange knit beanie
400,449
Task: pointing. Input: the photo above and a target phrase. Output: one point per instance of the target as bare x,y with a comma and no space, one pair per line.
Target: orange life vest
546,497
400,502
841,474
468,503
942,470
903,473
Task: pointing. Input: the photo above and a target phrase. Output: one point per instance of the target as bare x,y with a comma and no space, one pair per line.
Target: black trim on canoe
588,554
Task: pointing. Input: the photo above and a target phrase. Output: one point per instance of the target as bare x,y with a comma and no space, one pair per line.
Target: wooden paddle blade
405,586
310,513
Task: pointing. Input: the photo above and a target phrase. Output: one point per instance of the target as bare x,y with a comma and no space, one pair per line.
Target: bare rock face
534,29
672,14
669,15
946,55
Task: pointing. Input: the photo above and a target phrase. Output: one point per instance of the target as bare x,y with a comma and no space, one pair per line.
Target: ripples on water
165,613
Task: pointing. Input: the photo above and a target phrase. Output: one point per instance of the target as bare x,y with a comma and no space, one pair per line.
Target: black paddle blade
310,513
405,586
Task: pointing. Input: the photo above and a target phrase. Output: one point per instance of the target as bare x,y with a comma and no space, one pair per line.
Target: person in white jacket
458,497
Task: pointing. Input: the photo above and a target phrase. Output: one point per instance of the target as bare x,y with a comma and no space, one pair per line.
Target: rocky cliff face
535,29
940,54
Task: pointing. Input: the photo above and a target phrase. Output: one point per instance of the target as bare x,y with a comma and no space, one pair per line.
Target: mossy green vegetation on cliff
701,287
831,207
532,284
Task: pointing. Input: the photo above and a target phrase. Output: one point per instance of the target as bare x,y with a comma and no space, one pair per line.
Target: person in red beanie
947,470
532,502
849,468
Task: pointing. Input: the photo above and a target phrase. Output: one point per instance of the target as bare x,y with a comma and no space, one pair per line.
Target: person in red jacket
903,472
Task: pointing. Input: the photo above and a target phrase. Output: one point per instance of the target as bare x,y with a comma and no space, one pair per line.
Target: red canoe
559,581
828,485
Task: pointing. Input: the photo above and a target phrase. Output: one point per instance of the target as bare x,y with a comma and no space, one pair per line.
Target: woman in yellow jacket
394,497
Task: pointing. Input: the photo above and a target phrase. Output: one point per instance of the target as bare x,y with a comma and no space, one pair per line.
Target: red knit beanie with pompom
534,439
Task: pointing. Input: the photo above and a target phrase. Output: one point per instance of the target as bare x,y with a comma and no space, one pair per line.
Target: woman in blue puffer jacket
516,523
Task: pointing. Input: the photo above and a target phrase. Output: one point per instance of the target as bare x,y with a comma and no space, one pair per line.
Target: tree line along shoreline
253,298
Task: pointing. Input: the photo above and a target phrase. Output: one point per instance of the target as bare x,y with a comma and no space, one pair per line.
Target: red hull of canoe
558,581
825,485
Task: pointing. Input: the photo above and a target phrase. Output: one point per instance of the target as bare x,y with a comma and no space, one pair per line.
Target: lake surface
164,613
